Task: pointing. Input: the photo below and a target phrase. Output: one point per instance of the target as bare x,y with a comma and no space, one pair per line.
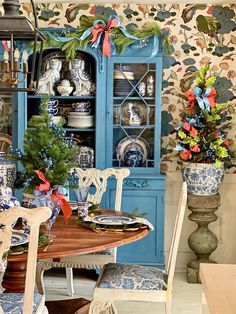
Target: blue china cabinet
126,105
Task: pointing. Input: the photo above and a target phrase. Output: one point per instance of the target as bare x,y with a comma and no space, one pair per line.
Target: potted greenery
202,142
47,159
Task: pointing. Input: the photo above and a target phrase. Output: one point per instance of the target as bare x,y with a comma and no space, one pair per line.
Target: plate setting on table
114,220
19,238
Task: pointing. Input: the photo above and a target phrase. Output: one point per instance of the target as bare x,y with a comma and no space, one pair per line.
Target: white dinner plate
19,238
114,220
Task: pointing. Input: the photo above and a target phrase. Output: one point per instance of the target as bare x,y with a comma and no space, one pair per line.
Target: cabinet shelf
61,97
132,98
79,129
117,126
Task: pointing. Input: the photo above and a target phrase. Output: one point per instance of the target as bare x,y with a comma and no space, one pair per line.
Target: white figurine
7,200
49,78
134,117
81,78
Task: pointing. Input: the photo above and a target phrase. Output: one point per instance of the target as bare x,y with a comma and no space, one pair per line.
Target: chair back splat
98,179
34,218
126,282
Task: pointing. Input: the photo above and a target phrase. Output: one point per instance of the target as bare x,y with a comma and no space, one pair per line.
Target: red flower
225,143
186,154
216,133
92,10
195,148
209,11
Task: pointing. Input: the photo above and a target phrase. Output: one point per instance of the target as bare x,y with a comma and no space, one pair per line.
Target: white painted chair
98,179
123,282
5,142
27,302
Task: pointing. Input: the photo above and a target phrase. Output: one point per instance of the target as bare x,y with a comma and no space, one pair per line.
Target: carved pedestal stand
202,241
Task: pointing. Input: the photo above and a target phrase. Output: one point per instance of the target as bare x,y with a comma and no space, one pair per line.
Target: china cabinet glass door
5,121
134,127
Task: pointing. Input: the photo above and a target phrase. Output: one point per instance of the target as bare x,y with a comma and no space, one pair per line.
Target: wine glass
81,194
55,211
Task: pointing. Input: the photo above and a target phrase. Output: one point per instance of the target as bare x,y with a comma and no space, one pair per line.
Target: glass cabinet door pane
134,114
5,122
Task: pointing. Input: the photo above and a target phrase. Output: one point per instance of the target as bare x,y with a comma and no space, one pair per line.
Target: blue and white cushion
12,303
136,277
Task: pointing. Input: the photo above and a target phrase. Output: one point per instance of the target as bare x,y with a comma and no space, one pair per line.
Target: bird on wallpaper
54,22
27,7
229,57
144,8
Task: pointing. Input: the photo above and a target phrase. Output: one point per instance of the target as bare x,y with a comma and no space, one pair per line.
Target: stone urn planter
203,179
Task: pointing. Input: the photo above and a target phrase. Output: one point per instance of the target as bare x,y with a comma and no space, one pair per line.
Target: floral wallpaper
199,34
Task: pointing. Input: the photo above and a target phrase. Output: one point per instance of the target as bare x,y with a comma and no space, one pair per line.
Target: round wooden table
70,240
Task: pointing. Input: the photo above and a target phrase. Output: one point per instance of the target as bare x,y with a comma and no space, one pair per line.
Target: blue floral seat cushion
12,303
136,277
104,252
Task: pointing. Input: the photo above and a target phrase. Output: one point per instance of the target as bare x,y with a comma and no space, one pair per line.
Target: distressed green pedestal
202,241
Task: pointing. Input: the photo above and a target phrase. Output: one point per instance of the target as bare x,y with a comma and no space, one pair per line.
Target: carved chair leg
41,267
69,279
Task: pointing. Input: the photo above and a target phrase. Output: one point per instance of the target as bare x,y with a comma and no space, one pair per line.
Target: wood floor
186,297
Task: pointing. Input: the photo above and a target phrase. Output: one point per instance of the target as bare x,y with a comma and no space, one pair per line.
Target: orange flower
188,127
195,148
226,143
186,154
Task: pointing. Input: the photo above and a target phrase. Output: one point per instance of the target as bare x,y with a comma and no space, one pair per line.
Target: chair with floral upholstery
98,179
27,302
123,282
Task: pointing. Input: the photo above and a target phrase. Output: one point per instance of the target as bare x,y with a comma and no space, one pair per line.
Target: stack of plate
80,120
123,87
123,75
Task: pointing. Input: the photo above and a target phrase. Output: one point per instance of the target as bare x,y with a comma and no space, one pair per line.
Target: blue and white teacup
81,106
52,107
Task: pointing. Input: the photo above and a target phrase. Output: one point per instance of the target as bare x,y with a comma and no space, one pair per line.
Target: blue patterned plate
19,238
114,220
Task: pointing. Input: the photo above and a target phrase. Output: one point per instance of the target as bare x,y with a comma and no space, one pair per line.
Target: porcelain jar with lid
7,171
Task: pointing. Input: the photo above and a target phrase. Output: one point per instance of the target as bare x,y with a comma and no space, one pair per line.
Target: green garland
120,40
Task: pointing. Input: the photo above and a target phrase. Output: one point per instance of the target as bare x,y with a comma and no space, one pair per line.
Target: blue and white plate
19,238
133,143
114,220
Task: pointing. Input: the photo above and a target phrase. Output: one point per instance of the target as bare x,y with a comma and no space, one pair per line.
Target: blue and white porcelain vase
7,171
203,179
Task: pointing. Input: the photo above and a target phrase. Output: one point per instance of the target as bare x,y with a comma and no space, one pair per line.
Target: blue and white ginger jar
203,179
7,171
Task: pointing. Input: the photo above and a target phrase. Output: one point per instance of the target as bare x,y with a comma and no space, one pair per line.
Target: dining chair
28,302
5,142
126,282
97,179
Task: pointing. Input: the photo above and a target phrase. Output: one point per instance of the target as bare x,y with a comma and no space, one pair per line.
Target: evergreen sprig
46,148
119,39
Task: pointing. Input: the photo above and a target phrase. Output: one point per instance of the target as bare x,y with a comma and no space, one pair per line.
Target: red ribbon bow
100,28
58,197
210,98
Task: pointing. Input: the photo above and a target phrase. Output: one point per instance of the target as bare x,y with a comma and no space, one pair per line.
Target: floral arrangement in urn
202,141
47,159
202,133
